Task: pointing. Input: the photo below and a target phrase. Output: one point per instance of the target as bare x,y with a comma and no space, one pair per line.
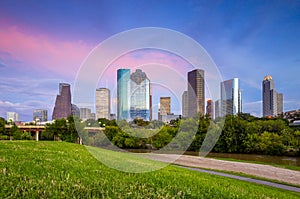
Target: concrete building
86,113
231,97
123,94
196,92
165,107
75,110
102,103
12,116
63,106
40,115
210,108
272,101
218,109
184,111
139,96
167,118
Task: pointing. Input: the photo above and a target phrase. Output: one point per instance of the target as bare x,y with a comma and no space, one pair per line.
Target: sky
43,43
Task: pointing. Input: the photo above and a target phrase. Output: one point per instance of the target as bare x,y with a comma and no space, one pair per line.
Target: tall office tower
184,104
40,115
123,94
63,106
196,92
210,108
231,97
102,103
12,116
279,103
139,96
165,107
218,109
272,101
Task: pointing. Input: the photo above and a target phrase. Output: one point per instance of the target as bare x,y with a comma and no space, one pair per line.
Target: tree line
235,134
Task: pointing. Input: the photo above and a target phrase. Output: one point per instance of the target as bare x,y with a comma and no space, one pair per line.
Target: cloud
254,108
41,52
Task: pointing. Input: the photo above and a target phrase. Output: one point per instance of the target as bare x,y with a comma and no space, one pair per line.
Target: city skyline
42,46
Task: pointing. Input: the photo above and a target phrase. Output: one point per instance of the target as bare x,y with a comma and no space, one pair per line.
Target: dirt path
260,170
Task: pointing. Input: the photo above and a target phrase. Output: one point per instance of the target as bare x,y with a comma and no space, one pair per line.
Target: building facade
196,92
210,108
102,103
40,115
231,97
184,107
63,106
86,113
12,117
272,101
164,107
139,96
218,109
123,94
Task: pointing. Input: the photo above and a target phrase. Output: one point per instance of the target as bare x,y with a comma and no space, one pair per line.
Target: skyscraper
63,106
231,97
123,94
272,101
218,109
102,103
210,108
196,92
185,104
139,96
40,115
165,107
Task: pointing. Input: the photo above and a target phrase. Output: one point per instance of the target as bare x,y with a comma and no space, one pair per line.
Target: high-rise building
139,96
165,107
86,113
184,104
75,110
150,102
272,101
63,106
279,103
231,97
123,94
210,108
218,109
12,116
196,92
102,103
40,115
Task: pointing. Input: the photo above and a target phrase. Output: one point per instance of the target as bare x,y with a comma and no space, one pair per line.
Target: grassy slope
58,169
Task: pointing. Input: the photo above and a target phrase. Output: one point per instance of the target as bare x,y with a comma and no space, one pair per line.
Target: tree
16,132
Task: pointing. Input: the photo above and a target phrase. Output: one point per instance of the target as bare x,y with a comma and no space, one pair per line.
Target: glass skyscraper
272,101
139,96
123,94
231,97
196,92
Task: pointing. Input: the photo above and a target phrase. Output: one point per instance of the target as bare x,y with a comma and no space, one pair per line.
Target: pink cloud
43,52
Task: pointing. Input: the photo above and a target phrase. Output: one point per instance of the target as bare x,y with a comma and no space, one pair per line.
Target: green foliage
64,170
26,136
62,129
16,132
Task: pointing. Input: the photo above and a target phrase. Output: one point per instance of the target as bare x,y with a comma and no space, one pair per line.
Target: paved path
259,170
263,182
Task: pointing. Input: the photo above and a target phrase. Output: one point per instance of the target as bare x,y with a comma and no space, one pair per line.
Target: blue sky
43,43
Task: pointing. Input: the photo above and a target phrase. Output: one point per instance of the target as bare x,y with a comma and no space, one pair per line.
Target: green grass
31,169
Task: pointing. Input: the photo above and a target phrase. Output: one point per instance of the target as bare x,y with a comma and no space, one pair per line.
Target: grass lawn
30,169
